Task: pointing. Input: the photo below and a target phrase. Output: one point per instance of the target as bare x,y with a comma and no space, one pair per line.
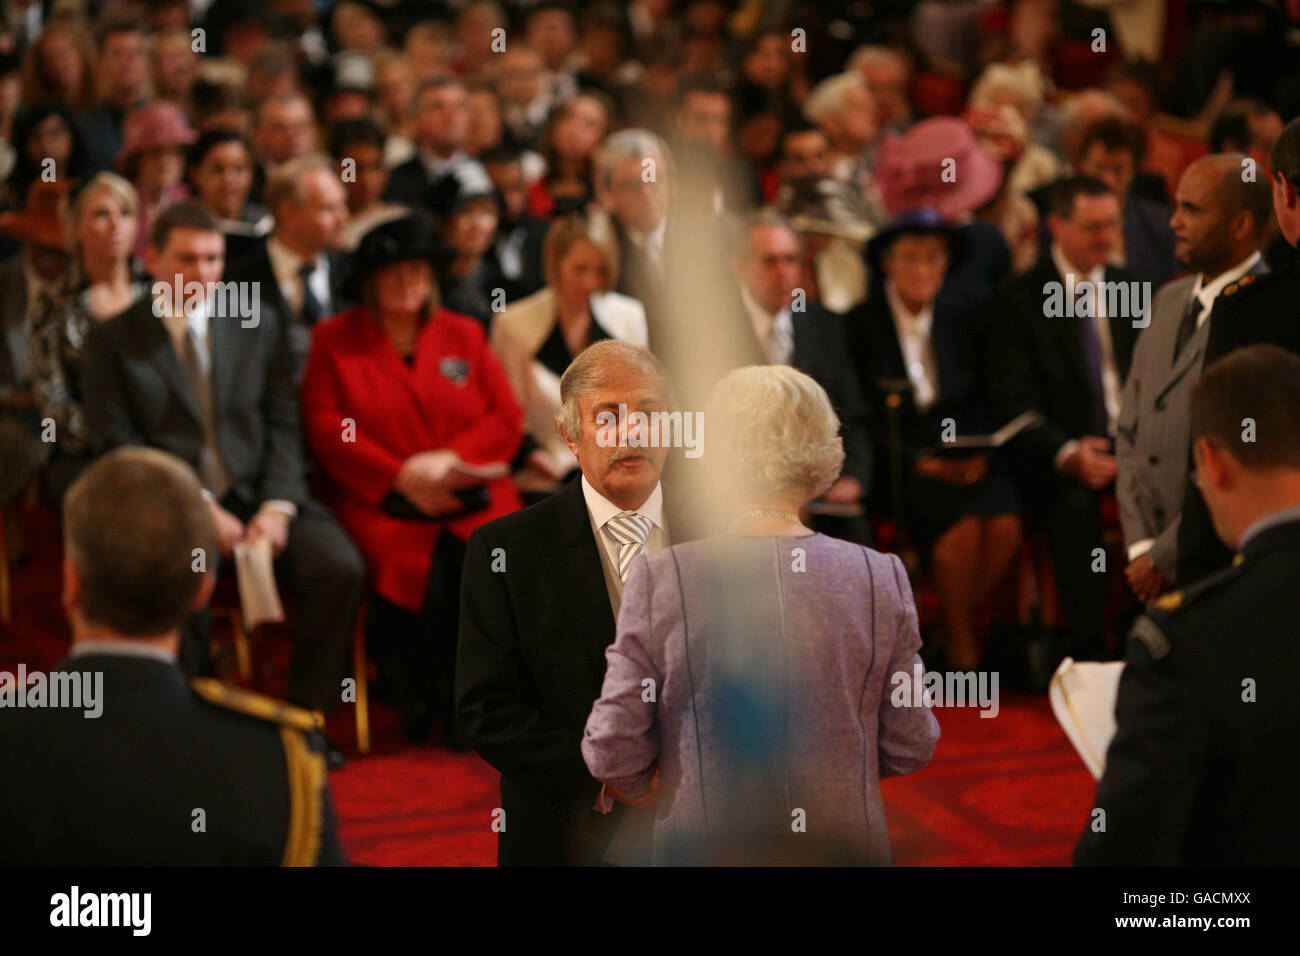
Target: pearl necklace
764,513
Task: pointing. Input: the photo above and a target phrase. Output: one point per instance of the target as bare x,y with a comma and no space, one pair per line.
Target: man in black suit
299,267
539,599
215,389
1246,313
1203,768
1045,356
440,122
516,257
786,329
134,767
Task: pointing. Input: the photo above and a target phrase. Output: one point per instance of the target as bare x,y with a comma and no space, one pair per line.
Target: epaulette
1165,606
247,702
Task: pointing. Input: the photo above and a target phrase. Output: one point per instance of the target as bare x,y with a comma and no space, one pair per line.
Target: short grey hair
827,97
596,365
768,217
776,434
632,143
286,183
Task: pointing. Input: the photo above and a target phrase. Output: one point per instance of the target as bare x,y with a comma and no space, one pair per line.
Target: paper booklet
258,597
1083,698
973,443
465,475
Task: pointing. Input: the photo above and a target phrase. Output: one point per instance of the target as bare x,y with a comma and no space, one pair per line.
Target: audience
930,211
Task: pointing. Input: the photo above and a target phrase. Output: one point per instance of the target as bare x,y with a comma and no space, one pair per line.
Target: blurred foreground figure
1203,768
136,767
751,677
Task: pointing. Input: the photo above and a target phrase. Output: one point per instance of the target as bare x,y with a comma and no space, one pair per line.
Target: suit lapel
578,575
157,344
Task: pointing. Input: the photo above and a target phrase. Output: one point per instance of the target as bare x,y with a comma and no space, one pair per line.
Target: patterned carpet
1002,791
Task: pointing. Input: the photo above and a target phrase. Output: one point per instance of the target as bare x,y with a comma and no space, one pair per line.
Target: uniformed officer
1254,310
115,760
1205,763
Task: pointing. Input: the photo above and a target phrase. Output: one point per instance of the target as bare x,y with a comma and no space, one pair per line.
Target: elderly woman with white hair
752,691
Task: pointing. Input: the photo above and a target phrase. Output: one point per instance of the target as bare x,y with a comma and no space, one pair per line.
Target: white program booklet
258,597
1083,697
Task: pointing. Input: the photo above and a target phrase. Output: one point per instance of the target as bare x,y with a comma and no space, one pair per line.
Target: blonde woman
537,337
752,679
101,222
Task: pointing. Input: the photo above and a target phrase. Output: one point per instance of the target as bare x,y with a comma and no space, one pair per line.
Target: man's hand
1091,463
1145,578
649,800
230,530
273,525
845,491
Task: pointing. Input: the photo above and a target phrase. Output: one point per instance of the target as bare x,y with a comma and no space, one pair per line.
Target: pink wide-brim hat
157,125
910,169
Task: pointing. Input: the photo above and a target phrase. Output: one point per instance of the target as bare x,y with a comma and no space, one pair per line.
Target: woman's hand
954,471
546,464
422,481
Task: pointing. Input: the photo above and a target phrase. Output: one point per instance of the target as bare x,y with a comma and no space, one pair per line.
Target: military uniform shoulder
1250,284
237,699
1166,613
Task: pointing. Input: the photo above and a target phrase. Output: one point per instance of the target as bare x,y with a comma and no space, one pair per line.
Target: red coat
456,396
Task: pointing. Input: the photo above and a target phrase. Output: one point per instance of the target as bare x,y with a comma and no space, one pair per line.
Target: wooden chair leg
5,610
360,671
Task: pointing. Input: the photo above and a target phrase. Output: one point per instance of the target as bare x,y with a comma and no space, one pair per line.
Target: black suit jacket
529,666
121,789
1035,362
1264,311
1198,774
137,393
408,184
958,336
255,266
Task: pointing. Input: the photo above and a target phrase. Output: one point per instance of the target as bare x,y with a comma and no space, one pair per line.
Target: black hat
465,182
920,221
395,240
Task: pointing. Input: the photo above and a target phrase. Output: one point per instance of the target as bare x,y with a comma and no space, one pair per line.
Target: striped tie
630,531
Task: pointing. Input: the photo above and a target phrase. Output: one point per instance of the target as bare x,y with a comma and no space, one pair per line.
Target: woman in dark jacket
917,354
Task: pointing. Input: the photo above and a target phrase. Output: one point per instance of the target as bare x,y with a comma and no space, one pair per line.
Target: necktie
1098,421
780,341
1187,327
630,530
312,311
212,471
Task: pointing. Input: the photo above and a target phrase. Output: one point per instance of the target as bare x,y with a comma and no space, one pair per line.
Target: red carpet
1002,791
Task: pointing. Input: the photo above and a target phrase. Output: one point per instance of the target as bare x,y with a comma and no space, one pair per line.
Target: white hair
827,97
874,53
632,143
778,436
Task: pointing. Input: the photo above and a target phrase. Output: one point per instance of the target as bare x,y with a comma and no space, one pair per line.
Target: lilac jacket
754,674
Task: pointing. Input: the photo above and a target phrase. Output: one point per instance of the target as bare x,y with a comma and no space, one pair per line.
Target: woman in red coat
406,410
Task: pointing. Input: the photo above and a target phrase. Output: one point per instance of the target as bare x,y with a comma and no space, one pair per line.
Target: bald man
1217,222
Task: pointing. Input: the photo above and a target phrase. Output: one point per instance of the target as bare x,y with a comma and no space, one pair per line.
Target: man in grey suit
1217,221
216,390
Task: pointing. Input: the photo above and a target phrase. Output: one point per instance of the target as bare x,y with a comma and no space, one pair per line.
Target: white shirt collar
920,322
762,320
1269,521
1070,273
1208,292
436,166
602,509
653,239
120,649
285,263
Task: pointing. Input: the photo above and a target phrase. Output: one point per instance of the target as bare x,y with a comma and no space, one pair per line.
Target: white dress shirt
917,345
775,333
287,267
651,243
1111,386
601,510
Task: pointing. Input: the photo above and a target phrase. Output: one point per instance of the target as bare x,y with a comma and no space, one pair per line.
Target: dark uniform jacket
1263,310
126,788
1204,767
